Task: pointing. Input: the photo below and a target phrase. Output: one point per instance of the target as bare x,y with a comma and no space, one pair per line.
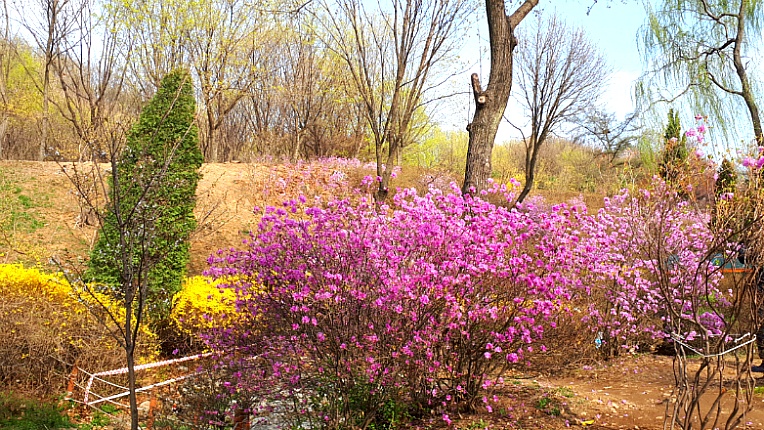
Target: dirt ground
628,393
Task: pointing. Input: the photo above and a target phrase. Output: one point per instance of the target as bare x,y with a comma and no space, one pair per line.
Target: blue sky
614,30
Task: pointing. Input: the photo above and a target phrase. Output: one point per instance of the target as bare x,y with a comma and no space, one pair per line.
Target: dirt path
630,393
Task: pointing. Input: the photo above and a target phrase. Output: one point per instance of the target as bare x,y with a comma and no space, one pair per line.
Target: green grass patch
17,208
17,413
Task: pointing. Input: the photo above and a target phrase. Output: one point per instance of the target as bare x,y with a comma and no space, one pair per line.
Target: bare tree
560,75
604,131
317,110
5,69
160,30
491,103
392,57
305,89
91,71
223,47
48,27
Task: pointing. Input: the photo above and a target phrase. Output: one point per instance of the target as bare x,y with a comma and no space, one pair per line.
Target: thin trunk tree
392,57
91,73
223,46
5,69
560,75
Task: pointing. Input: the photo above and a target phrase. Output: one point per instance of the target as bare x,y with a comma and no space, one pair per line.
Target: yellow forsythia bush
47,328
200,305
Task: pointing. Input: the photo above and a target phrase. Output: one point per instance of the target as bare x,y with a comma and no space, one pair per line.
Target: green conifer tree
726,179
150,214
675,150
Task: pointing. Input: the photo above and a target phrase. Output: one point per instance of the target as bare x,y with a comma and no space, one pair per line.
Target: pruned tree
559,77
491,103
392,57
165,139
700,50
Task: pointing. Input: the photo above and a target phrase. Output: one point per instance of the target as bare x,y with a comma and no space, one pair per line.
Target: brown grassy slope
40,215
224,209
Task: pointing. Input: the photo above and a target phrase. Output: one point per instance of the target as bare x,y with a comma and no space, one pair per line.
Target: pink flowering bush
358,313
646,265
423,302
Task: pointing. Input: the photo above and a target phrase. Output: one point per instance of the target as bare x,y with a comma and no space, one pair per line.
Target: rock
143,409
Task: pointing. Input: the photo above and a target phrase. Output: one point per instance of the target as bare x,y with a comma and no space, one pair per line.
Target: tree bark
53,9
491,103
531,157
130,357
3,131
746,92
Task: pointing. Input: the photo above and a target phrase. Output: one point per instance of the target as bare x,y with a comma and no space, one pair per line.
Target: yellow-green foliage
201,305
439,149
47,327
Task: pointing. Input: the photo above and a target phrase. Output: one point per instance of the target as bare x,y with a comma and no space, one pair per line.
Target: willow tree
700,50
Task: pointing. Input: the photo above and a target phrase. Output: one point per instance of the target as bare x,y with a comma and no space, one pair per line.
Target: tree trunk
746,92
45,113
52,16
491,103
531,158
297,148
213,146
130,356
131,387
385,175
3,131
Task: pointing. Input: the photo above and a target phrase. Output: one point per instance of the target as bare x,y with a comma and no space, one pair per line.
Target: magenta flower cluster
646,269
427,301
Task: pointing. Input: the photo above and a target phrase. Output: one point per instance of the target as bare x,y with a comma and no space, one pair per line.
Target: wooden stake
152,406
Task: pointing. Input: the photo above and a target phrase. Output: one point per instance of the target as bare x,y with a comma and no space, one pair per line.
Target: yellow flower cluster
201,305
47,327
30,297
30,293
